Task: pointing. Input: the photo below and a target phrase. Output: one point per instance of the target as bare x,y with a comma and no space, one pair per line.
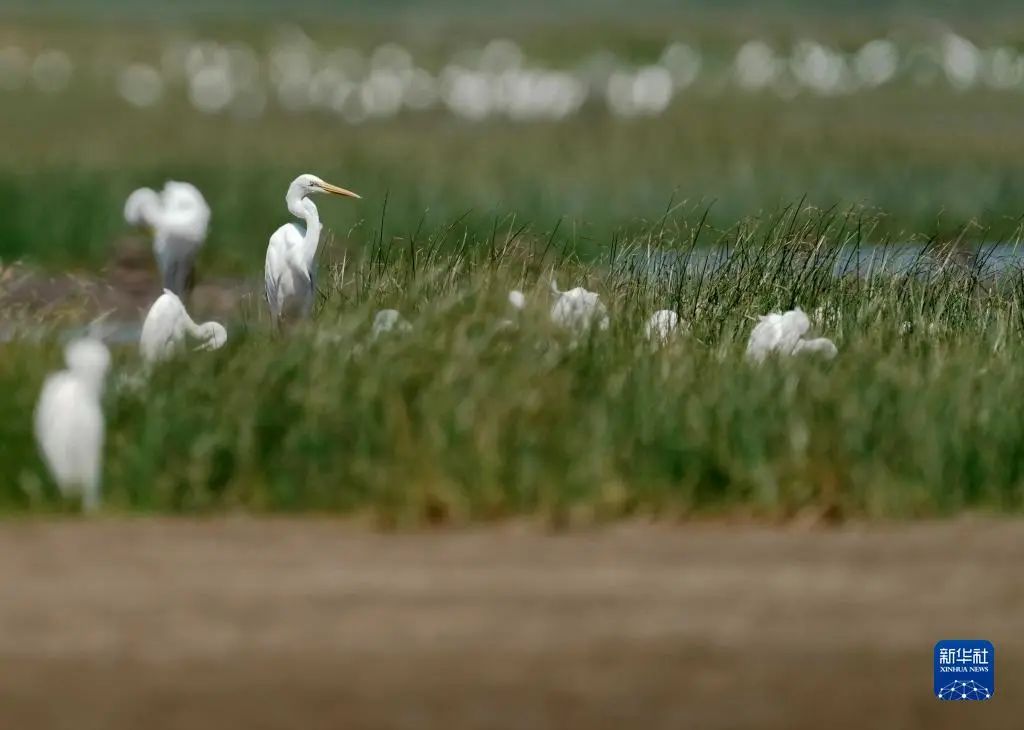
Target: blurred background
596,113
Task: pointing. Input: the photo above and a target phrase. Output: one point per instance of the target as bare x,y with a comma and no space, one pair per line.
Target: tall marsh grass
471,417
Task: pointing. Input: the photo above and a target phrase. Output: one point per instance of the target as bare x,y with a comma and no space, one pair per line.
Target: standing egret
783,334
167,323
577,310
69,425
290,273
179,218
661,326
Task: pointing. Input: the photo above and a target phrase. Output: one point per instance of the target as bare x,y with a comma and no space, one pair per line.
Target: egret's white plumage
179,218
69,425
517,299
167,324
783,334
578,310
661,326
388,320
290,271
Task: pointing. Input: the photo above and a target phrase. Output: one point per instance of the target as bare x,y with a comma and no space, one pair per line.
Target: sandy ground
240,623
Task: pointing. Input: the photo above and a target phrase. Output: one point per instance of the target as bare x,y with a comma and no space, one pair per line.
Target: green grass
461,419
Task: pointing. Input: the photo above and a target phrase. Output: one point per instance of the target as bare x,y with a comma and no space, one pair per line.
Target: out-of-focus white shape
500,56
756,66
661,326
578,310
420,90
348,61
388,320
467,93
323,84
818,68
517,299
166,325
381,94
179,218
14,67
51,71
244,64
961,61
683,63
647,92
69,424
1003,68
528,94
140,85
211,89
391,58
876,62
782,334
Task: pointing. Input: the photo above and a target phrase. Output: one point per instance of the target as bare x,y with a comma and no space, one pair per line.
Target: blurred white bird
167,323
517,299
179,218
290,272
783,334
661,326
69,424
389,320
577,310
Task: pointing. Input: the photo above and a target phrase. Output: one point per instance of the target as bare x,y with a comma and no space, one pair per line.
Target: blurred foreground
311,624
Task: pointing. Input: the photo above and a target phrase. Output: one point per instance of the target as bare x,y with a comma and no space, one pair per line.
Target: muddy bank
316,624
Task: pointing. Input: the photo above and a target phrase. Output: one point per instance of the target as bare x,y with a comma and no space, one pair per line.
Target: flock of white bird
69,423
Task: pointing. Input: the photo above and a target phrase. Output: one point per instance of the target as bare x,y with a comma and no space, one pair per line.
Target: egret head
213,335
88,359
305,185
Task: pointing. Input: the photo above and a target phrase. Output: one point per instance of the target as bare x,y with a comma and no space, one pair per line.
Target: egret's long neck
305,209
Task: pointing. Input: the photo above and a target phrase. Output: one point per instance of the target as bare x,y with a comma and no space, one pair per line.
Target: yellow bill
335,190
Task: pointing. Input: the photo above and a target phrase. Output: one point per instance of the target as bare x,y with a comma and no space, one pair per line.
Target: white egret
389,320
290,273
167,323
577,310
783,334
661,326
69,424
179,218
517,299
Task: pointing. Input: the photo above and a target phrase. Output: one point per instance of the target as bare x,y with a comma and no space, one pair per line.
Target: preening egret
661,326
290,272
577,310
179,218
163,332
69,424
388,320
783,334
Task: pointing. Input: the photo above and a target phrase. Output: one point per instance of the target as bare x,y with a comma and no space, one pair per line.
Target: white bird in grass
290,272
167,324
388,320
578,310
179,218
783,334
69,424
661,326
517,299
